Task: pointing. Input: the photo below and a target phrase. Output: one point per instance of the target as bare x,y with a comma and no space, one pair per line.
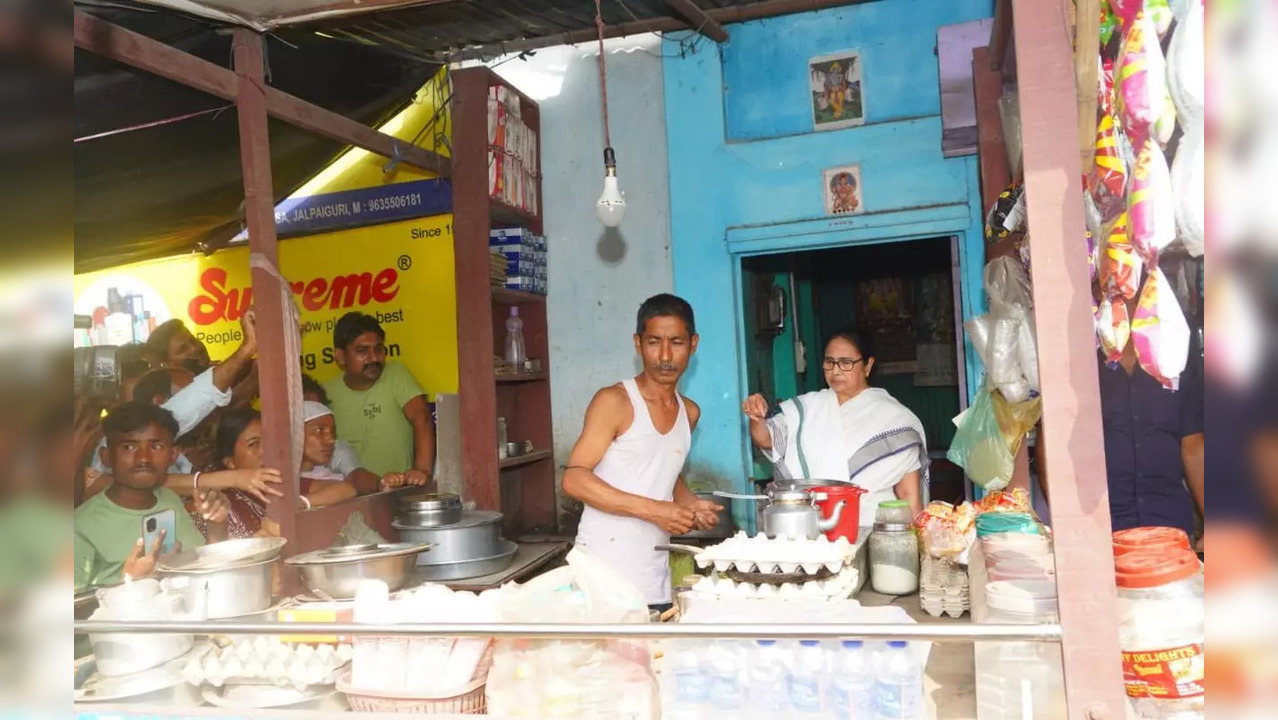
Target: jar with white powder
894,559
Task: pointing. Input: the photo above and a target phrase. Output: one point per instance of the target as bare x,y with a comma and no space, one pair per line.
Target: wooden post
475,393
272,320
987,85
1068,366
1087,75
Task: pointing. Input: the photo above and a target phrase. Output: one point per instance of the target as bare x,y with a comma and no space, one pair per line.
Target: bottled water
515,353
768,673
726,663
806,677
898,684
851,682
688,693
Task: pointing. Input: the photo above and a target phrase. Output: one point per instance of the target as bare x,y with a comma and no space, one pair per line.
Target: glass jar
894,559
1015,679
894,512
1161,631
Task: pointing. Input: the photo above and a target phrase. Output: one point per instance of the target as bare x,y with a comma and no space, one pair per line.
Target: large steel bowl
338,572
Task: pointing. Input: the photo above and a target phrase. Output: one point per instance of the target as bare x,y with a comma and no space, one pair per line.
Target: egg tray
742,553
828,586
268,662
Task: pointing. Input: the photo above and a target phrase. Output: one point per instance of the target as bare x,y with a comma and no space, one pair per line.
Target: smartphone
152,524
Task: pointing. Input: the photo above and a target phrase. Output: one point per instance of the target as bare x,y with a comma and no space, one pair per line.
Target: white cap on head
312,410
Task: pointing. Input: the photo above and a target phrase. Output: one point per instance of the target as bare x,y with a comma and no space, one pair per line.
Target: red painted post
1067,364
272,320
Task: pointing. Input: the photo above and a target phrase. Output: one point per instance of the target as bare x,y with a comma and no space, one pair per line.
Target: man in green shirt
109,525
380,409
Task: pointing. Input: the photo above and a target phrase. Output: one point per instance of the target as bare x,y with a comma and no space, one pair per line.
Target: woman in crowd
849,431
238,443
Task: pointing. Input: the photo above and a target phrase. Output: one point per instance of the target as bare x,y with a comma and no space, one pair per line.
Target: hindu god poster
837,100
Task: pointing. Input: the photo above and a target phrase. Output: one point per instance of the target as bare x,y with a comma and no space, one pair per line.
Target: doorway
903,295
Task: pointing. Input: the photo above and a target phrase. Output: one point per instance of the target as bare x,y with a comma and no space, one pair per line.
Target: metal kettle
791,513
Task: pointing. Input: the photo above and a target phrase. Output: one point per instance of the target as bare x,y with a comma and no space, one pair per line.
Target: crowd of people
175,460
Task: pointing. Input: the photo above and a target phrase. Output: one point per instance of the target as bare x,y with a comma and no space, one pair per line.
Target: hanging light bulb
610,208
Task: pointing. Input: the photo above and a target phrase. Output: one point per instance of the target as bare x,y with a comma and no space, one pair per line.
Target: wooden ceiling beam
698,20
723,16
144,53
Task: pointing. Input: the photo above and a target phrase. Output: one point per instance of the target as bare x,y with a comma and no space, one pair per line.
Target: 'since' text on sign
217,302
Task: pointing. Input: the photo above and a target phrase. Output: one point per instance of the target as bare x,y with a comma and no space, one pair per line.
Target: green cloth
105,534
373,420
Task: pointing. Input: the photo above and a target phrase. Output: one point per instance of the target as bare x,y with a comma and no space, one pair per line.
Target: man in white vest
626,466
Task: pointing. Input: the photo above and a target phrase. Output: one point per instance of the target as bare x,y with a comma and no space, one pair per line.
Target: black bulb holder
610,159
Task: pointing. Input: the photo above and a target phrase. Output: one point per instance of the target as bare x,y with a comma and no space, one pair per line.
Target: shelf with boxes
500,260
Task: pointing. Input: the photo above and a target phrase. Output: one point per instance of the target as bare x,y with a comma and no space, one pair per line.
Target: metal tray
463,569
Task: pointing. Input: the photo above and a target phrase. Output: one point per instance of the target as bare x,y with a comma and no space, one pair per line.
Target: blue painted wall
745,173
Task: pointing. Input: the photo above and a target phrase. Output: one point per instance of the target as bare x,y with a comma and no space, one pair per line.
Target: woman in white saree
849,431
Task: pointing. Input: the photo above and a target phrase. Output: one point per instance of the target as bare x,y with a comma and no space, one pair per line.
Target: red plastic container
1159,539
850,521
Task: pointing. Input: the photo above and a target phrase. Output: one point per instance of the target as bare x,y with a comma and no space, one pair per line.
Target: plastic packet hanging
1151,213
1108,23
1186,68
1113,327
1159,12
1016,419
1160,332
1120,266
1093,256
978,446
1108,177
1141,85
979,329
1027,350
1004,217
1188,174
1006,283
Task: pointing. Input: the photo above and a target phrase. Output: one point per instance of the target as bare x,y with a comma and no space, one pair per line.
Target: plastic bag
1107,180
1160,332
1186,68
1188,174
1027,350
1108,23
1120,266
1006,284
1113,327
978,446
1158,11
1151,211
1007,215
1016,419
1141,98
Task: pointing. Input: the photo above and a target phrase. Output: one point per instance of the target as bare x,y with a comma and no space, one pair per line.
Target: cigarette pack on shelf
316,612
519,282
505,237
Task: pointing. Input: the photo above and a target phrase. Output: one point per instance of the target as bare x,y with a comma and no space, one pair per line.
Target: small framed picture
843,190
837,99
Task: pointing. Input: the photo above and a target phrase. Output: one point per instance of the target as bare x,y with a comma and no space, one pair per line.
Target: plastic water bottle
515,352
806,678
851,682
768,674
726,663
689,691
898,684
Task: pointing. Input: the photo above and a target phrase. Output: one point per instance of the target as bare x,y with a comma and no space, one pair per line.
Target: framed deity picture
843,190
837,98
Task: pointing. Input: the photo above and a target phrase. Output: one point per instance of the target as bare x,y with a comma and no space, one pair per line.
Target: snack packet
1120,266
1151,212
1160,331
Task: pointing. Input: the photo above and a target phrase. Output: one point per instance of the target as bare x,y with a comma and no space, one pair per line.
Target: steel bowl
429,509
477,535
338,572
225,554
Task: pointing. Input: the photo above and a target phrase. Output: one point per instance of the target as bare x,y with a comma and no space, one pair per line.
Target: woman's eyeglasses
844,364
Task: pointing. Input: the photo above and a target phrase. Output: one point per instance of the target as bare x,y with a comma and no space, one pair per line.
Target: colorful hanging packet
1113,328
1120,265
1141,97
1160,331
1108,178
1151,213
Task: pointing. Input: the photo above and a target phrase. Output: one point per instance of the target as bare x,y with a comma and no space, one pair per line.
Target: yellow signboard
401,273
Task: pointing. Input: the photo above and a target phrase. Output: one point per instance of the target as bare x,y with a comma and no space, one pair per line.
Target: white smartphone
152,524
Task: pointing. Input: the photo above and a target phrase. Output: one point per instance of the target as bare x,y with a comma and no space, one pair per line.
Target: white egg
345,652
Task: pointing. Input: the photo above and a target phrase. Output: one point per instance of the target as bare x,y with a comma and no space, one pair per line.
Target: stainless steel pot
725,527
477,535
462,569
337,572
225,592
429,509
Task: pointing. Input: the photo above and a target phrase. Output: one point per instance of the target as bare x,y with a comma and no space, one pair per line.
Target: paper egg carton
841,585
776,555
268,661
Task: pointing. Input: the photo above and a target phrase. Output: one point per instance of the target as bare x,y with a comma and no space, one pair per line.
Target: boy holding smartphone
110,526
